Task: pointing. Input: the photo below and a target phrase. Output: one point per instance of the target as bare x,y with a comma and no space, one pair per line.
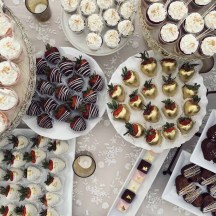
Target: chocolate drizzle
208,181
192,171
76,83
191,197
188,189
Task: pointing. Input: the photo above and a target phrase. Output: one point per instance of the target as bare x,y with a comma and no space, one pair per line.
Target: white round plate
62,130
79,40
133,63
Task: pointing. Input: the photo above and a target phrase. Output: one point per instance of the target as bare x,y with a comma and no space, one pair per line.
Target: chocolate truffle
208,177
128,196
211,133
209,149
144,166
192,172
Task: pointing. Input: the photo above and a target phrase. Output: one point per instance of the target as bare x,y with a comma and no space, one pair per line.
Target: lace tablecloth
115,157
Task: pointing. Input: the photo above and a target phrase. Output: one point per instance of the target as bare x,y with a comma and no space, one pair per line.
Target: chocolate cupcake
208,177
211,133
195,198
192,172
209,149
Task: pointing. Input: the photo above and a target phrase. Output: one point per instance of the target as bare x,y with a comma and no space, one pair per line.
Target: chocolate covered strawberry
15,159
8,210
169,131
76,83
30,193
191,106
41,65
130,77
89,111
11,192
116,92
63,93
90,96
49,212
45,87
50,199
62,113
26,210
35,156
54,165
75,102
78,124
170,108
185,124
54,75
67,67
52,54
34,109
153,136
149,90
136,130
48,104
151,113
45,121
96,82
170,86
13,175
82,67
136,101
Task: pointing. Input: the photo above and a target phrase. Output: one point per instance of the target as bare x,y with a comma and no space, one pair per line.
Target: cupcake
111,17
156,14
127,10
88,7
126,28
94,41
9,73
104,4
8,99
169,33
70,5
10,48
194,23
177,10
5,26
208,46
3,122
76,23
112,39
210,20
95,23
200,3
188,44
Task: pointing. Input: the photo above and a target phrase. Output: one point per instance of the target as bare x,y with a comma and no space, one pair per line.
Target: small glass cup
39,8
84,164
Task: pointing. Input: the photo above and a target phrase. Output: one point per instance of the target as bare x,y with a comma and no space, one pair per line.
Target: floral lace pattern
115,157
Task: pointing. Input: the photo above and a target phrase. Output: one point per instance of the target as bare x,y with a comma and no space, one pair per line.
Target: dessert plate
133,63
197,155
62,130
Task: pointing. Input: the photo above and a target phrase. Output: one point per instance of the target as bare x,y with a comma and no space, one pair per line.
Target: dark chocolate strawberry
75,102
76,83
44,121
90,96
96,82
67,67
52,54
48,104
82,67
63,93
78,124
34,109
54,75
41,65
89,111
62,113
45,87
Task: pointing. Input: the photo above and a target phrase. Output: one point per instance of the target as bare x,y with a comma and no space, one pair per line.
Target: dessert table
113,155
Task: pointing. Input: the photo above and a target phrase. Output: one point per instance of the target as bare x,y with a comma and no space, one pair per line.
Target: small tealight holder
39,8
84,164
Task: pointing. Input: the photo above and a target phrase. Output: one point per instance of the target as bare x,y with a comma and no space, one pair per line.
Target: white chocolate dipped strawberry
186,71
19,142
59,147
53,183
170,108
153,136
185,124
136,101
2,174
130,77
15,159
151,113
30,193
170,86
149,90
27,210
54,165
135,130
11,192
50,199
32,173
190,90
35,156
49,212
191,106
8,210
169,131
13,175
116,92
40,141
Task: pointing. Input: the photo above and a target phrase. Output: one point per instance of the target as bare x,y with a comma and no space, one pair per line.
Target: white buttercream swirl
94,41
202,2
95,23
194,23
208,46
111,16
112,38
76,23
177,10
169,32
157,12
70,5
125,27
8,98
104,4
210,20
88,7
189,44
127,9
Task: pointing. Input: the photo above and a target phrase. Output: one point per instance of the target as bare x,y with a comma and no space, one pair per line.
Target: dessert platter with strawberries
156,103
68,101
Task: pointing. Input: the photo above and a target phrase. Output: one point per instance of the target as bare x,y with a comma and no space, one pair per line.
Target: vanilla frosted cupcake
156,13
70,5
169,33
127,10
210,20
188,44
94,41
201,3
208,46
112,39
88,7
104,4
5,26
194,23
3,122
177,10
8,99
95,23
9,73
76,23
10,48
111,17
126,28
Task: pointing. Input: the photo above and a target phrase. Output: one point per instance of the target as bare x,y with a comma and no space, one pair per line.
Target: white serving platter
62,130
197,155
170,193
146,185
67,175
